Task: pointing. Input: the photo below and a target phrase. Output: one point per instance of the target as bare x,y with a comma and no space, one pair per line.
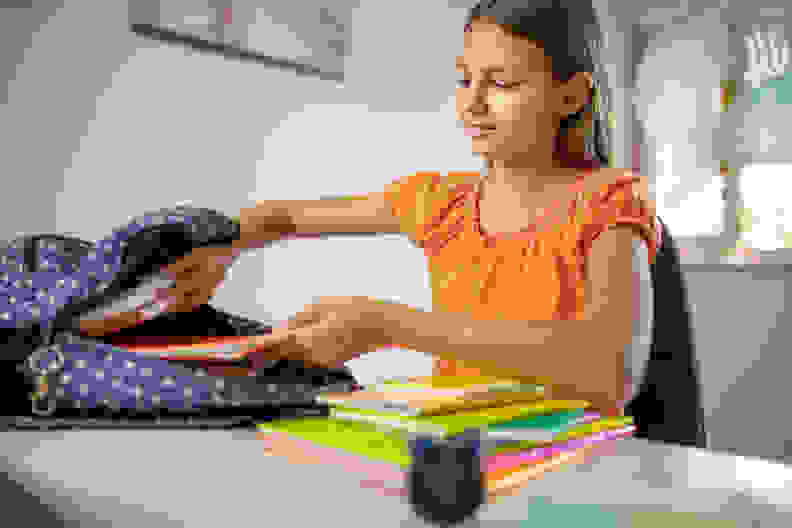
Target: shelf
735,268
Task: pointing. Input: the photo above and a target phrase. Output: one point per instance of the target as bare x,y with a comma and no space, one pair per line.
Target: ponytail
582,139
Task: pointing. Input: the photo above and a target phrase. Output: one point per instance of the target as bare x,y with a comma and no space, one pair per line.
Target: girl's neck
532,179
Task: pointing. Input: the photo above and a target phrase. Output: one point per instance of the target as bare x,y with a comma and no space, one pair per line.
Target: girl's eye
465,83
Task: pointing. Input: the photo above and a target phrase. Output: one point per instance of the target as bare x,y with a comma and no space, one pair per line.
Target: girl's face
506,89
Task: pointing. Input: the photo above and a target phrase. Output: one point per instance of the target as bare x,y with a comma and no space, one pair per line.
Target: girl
533,265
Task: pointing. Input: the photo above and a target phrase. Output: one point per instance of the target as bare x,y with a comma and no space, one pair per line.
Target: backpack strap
668,406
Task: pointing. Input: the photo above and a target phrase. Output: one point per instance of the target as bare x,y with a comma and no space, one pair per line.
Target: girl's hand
197,277
331,332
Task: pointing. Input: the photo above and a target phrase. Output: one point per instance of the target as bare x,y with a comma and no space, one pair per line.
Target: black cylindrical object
445,482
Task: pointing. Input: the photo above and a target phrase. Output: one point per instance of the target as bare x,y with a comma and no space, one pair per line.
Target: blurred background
303,99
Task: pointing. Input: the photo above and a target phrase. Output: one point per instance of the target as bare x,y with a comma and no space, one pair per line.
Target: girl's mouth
478,131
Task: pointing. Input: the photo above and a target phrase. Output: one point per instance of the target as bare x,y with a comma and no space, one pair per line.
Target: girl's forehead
489,44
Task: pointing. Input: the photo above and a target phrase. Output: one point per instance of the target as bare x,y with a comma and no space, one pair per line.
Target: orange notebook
202,348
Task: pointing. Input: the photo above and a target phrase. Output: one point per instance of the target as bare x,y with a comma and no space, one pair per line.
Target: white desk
221,478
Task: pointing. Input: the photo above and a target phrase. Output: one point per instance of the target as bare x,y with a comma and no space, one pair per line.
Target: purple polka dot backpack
52,375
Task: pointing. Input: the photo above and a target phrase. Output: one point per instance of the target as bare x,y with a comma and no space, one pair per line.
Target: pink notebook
505,461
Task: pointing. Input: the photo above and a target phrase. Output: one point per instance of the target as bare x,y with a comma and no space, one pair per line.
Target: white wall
101,125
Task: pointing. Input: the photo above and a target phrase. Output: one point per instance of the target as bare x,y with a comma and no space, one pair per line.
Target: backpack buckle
43,401
35,360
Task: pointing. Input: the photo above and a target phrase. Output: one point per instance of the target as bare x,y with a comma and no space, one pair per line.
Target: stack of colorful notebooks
368,430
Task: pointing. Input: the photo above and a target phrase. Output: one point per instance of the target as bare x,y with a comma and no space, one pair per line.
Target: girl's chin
485,150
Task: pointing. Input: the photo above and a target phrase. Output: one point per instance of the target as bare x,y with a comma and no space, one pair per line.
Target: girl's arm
584,359
270,219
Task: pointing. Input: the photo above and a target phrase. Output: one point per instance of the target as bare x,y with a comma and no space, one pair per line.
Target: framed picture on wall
300,36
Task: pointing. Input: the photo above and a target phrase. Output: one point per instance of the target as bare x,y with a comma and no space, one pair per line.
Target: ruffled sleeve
624,202
414,200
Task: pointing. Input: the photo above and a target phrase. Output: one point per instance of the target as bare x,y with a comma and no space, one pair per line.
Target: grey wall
743,335
18,29
100,126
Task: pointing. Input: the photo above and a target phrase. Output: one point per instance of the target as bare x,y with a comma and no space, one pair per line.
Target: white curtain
766,188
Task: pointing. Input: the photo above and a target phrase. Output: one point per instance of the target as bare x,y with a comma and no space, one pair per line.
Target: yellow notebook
425,403
448,425
358,438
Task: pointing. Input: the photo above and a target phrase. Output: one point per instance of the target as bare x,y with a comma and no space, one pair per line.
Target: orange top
535,274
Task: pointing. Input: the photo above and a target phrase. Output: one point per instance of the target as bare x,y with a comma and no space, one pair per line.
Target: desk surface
222,478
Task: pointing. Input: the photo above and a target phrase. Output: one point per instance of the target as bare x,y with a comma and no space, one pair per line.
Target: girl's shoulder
462,180
603,179
607,183
428,181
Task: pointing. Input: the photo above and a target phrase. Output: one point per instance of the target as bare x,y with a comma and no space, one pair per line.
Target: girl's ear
576,135
576,93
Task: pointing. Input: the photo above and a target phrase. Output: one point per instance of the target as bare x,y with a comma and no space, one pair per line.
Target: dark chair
667,407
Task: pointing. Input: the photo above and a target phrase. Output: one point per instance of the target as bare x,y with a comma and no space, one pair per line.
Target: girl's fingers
283,345
278,337
180,268
179,293
224,260
304,318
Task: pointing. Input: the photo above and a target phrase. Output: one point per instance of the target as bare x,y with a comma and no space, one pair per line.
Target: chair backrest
667,407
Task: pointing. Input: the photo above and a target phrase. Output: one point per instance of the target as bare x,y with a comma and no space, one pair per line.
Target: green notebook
597,426
575,432
359,438
542,421
541,428
449,425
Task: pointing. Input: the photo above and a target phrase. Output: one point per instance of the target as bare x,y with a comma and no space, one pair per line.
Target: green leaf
745,220
788,239
729,251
